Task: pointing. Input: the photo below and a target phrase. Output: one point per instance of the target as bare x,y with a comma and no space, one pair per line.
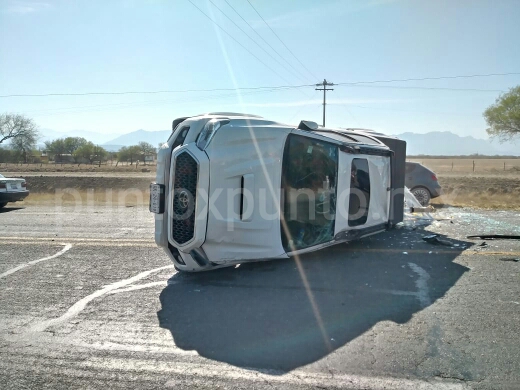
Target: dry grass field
465,165
488,187
493,183
124,168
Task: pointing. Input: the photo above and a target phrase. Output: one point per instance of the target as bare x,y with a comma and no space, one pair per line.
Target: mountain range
442,143
133,138
437,143
445,143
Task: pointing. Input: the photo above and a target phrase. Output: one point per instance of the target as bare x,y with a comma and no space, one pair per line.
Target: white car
12,190
232,188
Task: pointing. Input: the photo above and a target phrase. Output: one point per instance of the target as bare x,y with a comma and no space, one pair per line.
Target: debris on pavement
496,237
435,240
414,213
513,259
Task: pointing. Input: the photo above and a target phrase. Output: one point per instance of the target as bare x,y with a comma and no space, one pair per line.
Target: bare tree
147,149
24,144
14,126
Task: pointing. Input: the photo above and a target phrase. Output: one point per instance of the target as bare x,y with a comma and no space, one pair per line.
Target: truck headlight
209,131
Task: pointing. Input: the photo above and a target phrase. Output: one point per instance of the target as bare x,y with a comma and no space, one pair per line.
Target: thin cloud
299,17
25,7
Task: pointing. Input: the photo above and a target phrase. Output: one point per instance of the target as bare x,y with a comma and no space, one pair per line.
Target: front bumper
181,232
13,196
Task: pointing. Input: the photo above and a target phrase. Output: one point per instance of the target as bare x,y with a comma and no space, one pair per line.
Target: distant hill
446,143
97,138
133,138
437,143
112,148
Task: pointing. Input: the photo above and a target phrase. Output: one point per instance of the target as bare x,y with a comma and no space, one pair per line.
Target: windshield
309,177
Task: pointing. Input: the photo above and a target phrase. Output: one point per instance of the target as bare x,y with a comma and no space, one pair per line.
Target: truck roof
343,135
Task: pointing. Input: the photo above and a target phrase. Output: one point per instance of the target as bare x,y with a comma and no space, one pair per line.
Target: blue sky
125,45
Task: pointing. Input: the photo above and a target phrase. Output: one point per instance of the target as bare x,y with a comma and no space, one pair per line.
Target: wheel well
426,188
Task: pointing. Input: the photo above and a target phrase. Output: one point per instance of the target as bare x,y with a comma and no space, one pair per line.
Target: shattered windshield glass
309,181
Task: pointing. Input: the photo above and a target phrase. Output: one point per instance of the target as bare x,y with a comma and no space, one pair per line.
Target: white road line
423,292
139,287
25,265
115,243
79,239
75,309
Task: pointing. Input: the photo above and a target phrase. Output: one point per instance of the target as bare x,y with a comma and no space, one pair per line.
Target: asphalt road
88,301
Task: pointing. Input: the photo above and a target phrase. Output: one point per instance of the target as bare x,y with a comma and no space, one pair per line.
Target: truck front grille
184,199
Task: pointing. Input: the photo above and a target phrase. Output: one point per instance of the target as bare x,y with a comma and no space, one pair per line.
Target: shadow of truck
281,315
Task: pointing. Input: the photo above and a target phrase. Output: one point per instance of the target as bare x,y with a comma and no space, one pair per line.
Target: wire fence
468,165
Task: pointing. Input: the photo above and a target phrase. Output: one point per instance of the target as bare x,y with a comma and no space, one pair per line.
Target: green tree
503,117
74,143
14,126
90,152
7,155
147,149
84,152
99,154
56,147
129,153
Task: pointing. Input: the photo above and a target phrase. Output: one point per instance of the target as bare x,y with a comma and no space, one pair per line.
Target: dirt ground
110,166
492,183
487,189
484,191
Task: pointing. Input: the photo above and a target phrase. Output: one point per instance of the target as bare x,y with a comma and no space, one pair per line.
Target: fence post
452,166
504,165
473,165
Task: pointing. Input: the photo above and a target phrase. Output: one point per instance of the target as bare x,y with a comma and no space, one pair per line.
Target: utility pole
325,84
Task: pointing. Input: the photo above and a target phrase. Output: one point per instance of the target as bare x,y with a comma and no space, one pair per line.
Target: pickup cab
232,188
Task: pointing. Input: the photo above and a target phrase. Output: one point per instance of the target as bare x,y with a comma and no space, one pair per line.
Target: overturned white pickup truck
233,188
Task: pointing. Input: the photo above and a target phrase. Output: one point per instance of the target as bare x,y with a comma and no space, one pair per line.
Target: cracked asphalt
89,301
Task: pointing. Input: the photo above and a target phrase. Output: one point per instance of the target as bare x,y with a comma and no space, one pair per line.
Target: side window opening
359,200
309,180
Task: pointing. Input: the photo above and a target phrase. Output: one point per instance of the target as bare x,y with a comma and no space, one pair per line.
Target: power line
276,35
357,83
158,91
118,106
233,38
247,35
431,78
428,88
267,43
